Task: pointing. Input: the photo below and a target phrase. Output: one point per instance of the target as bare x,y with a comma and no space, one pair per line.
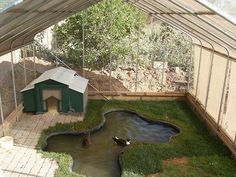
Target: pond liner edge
101,124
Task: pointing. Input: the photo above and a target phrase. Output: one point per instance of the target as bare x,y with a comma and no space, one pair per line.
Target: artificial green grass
64,161
207,156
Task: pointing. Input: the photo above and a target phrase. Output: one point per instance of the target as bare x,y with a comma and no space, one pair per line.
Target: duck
86,141
121,142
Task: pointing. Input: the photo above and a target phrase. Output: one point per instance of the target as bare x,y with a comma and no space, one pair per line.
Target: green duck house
62,87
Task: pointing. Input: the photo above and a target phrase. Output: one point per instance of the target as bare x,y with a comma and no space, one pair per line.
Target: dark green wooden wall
50,84
29,101
76,101
71,100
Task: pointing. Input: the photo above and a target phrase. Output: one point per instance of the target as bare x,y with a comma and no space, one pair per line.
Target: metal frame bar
151,31
13,82
199,68
224,85
162,74
57,58
223,90
189,68
181,22
202,19
111,44
174,24
25,22
137,61
44,22
22,17
187,33
217,12
2,116
83,31
209,77
235,139
25,77
28,13
35,75
9,6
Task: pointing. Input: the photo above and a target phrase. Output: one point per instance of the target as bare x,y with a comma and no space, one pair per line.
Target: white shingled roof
61,75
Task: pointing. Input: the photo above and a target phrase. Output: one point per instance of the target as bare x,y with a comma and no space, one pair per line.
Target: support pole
162,74
13,82
111,44
235,139
34,61
110,67
199,68
150,41
190,68
24,56
209,77
2,116
83,47
224,88
137,60
56,61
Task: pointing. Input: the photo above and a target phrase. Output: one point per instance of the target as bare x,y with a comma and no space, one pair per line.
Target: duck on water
121,142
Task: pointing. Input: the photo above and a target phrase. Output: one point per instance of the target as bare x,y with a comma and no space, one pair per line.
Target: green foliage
114,28
164,43
64,161
138,163
106,21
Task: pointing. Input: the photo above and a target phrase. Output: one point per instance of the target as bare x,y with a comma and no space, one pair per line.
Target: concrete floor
23,160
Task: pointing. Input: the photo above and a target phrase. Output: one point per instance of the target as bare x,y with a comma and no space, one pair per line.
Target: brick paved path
23,160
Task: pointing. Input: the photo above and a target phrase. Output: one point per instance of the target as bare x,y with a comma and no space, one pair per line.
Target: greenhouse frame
213,93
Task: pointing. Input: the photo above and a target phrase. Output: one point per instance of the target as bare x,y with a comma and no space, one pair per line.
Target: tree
161,42
174,46
104,24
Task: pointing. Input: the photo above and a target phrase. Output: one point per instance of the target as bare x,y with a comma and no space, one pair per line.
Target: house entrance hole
52,100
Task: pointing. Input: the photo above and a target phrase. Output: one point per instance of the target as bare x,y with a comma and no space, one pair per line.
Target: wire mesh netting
23,74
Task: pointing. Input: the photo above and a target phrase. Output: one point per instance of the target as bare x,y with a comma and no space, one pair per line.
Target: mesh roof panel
194,18
20,23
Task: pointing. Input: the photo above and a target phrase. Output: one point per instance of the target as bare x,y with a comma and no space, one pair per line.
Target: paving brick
13,174
21,161
7,173
36,168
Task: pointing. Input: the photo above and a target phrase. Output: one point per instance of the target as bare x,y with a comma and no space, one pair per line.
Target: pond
100,159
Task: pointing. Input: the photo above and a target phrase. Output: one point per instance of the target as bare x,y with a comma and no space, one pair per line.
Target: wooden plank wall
210,122
128,96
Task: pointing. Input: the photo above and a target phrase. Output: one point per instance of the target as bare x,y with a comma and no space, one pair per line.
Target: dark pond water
100,159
